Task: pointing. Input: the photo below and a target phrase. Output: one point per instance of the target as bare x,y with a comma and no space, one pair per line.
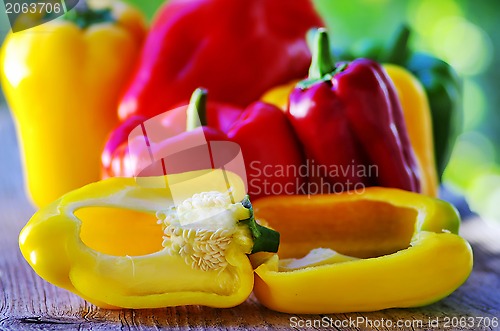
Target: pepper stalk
84,16
197,109
265,240
397,50
322,67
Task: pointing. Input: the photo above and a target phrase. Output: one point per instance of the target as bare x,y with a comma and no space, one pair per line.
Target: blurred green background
463,33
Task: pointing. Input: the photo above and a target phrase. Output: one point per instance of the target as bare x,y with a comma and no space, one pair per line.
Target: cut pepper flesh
151,270
398,249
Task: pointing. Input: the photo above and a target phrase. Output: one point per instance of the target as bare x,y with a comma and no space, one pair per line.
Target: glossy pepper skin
62,83
416,113
235,49
262,131
441,83
103,243
117,159
382,248
349,116
269,146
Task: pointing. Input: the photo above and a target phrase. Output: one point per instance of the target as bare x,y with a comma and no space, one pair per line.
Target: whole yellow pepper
417,119
62,82
383,248
124,243
278,96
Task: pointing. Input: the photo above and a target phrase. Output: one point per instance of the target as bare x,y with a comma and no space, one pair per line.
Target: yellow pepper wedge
62,83
417,117
108,243
384,248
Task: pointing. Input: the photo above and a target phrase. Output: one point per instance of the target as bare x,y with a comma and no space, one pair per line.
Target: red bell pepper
262,132
116,158
235,49
115,154
270,149
351,125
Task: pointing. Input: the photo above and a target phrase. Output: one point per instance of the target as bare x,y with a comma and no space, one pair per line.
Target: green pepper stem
84,16
264,239
322,61
397,49
197,110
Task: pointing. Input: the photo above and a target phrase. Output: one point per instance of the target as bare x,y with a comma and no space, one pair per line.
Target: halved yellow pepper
108,243
397,249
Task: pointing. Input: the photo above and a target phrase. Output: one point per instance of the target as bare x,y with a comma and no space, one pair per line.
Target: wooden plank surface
29,303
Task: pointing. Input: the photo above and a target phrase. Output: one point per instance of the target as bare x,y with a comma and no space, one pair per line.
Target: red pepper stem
197,110
322,61
84,16
397,50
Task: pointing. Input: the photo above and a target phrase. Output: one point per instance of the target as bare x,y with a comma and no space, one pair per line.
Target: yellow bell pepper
278,96
417,118
123,243
381,249
417,115
62,82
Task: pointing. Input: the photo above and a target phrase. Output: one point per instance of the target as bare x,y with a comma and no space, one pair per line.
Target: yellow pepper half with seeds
62,81
123,243
383,248
417,117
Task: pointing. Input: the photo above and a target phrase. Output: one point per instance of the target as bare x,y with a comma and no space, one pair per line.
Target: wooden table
28,302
